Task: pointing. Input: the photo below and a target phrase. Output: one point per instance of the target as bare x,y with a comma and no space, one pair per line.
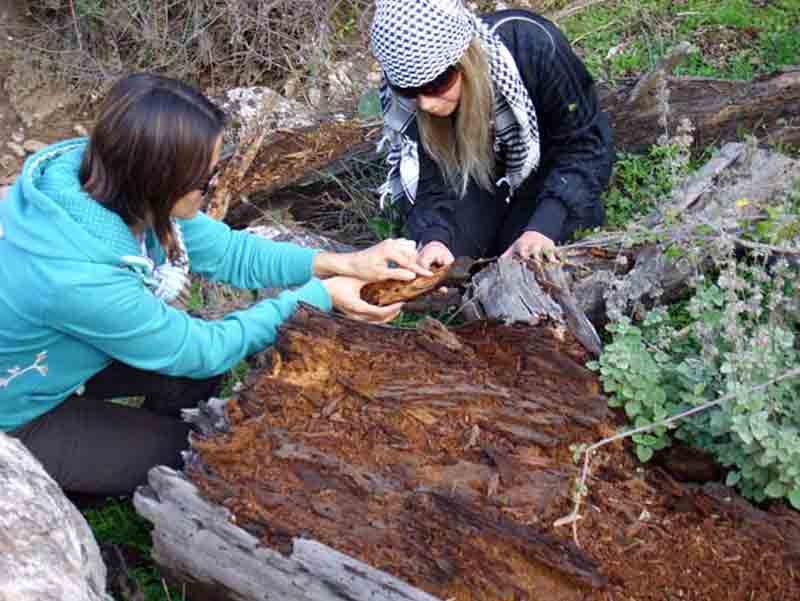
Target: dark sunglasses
436,87
205,186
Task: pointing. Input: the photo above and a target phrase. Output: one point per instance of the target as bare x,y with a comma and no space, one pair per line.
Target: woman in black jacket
515,150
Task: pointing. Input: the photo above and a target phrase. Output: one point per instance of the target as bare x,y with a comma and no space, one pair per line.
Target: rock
18,137
244,105
9,163
81,131
33,146
47,550
16,149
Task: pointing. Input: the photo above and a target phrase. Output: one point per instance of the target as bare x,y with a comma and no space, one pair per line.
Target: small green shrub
740,337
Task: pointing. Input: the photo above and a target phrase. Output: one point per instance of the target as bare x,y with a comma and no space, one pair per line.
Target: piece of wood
199,543
719,109
513,291
394,291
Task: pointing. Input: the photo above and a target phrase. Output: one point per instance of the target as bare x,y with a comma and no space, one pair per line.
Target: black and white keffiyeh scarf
516,125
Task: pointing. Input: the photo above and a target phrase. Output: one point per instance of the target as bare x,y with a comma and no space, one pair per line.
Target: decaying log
719,109
198,543
428,454
368,462
735,187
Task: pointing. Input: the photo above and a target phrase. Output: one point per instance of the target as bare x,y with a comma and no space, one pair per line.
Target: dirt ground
58,125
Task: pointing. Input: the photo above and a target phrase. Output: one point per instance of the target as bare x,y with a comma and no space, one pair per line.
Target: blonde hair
463,144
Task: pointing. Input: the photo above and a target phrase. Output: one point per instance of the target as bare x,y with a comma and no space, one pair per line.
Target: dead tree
427,454
368,462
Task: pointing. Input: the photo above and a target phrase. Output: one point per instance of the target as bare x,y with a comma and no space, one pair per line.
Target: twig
75,22
778,250
580,38
573,517
573,9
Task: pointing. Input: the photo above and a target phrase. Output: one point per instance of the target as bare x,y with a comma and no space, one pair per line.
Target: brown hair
463,144
153,142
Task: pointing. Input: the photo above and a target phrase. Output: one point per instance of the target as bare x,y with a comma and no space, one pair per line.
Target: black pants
91,446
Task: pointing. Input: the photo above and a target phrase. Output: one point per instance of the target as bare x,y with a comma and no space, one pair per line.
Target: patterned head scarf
415,41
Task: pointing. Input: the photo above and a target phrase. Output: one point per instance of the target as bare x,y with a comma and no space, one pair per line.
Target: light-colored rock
47,550
17,149
81,131
314,96
246,106
9,163
33,146
18,136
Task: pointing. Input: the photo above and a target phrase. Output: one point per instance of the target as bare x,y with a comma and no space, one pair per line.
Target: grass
736,39
117,523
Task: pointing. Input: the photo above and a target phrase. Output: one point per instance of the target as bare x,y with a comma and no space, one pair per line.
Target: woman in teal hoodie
96,239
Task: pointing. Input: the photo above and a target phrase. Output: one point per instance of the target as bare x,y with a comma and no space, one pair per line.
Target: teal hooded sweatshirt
70,304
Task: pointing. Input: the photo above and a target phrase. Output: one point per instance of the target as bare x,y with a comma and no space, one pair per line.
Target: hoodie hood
49,192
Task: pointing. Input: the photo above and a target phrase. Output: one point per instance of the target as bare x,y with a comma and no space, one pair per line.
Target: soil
445,457
58,125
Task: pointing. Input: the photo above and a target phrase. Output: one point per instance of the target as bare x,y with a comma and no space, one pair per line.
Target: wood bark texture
428,454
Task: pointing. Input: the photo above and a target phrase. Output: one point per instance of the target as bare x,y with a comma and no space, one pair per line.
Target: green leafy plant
740,337
117,523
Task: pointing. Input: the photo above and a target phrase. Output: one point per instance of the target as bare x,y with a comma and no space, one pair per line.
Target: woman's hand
435,253
373,264
346,295
533,245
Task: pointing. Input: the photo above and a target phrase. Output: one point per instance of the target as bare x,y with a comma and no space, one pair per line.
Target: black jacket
575,137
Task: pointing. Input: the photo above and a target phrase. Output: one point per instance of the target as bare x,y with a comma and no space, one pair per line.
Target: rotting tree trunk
429,454
368,462
719,109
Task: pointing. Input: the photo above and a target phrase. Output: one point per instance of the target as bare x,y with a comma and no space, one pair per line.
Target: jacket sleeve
432,216
117,315
577,150
242,259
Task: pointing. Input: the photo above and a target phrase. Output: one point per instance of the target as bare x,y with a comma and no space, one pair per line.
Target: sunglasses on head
436,87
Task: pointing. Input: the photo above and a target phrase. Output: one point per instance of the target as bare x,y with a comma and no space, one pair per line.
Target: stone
18,137
9,163
47,550
244,106
16,149
81,131
33,146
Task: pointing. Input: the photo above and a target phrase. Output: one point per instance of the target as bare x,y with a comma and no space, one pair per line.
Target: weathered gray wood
197,544
643,273
47,550
508,290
